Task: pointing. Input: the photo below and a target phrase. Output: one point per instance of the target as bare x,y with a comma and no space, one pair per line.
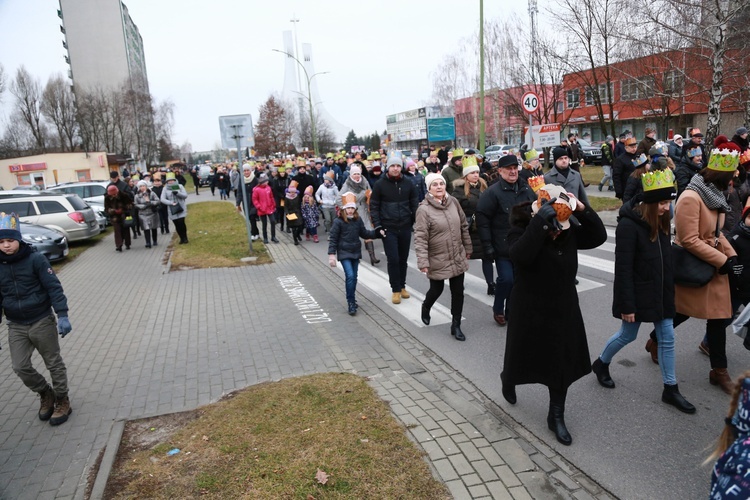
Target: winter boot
653,349
425,314
601,370
62,410
672,396
396,297
315,238
404,293
147,235
47,403
370,247
601,186
491,289
352,308
720,377
456,330
556,423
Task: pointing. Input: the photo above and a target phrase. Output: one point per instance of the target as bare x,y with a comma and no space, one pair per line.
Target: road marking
596,263
411,308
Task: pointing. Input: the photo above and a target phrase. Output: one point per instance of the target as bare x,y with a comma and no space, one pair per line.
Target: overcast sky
214,58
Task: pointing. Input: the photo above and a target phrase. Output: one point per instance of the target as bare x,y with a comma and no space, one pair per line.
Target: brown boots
47,404
62,410
720,377
370,247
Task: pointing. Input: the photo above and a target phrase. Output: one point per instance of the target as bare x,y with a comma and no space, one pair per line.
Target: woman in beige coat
443,247
697,212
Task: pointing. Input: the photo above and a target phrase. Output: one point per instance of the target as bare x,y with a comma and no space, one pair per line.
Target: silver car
92,192
66,213
48,242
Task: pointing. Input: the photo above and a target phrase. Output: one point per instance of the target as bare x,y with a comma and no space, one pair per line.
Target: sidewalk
147,343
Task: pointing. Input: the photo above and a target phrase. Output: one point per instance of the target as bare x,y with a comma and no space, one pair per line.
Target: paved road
626,439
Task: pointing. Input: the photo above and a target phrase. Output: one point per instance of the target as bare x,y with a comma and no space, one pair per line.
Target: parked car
66,213
495,151
92,192
205,174
592,155
50,243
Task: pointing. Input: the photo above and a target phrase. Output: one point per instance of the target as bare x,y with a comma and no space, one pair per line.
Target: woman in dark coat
644,281
278,186
467,191
293,211
547,341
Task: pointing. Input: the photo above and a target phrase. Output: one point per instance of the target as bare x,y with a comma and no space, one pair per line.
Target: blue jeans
503,286
351,266
396,244
665,337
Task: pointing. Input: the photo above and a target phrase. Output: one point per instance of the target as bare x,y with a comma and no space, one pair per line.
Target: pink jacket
263,199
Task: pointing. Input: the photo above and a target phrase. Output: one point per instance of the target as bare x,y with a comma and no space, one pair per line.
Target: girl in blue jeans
347,229
644,281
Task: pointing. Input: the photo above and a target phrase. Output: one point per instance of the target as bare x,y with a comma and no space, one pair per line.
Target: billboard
232,125
441,129
545,136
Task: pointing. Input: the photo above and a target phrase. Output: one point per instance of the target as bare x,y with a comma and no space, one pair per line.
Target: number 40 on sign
530,102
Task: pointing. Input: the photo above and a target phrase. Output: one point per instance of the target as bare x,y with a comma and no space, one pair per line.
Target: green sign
441,129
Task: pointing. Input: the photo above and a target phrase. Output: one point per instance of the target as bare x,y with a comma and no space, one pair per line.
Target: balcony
62,29
65,44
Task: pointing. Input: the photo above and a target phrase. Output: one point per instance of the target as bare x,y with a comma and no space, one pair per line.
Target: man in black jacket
393,206
493,223
623,166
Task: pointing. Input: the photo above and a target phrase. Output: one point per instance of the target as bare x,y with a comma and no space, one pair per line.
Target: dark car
50,243
592,155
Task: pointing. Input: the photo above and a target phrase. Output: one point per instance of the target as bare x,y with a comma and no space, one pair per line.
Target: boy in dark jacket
29,291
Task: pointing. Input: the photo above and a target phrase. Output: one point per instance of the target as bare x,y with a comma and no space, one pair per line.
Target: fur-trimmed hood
520,215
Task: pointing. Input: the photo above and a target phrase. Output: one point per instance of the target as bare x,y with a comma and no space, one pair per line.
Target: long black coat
621,170
493,212
546,342
469,206
644,273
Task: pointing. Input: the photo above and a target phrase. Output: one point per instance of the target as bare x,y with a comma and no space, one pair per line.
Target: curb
108,460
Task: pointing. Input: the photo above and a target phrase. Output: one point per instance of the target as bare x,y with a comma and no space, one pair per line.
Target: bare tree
451,80
58,107
2,82
28,94
16,137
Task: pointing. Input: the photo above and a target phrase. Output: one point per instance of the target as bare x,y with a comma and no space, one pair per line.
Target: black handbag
176,209
691,271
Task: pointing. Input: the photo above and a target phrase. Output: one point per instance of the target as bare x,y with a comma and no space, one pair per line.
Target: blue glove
63,326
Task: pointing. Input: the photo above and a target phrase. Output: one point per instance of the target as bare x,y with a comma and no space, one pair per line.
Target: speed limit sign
530,102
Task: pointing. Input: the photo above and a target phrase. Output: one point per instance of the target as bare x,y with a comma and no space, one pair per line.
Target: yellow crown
724,160
469,161
658,179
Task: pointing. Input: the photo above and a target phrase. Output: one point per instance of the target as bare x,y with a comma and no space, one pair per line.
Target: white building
105,49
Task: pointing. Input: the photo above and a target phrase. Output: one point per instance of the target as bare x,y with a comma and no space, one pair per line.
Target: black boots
672,396
509,391
456,329
601,370
556,423
491,289
370,247
352,308
426,315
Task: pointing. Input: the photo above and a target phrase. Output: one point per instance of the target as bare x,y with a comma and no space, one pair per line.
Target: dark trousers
297,233
150,235
396,244
181,228
122,234
163,218
254,225
280,217
456,284
503,286
265,219
716,333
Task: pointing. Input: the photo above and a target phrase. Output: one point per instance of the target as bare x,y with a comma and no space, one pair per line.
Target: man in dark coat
393,206
740,138
647,143
691,164
623,166
620,146
492,213
304,179
574,152
546,342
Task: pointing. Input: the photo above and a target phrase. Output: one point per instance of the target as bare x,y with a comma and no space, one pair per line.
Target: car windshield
584,143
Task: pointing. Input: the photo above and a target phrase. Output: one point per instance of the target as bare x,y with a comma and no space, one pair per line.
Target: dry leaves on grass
321,477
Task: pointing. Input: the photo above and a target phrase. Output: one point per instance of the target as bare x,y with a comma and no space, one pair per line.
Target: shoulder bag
690,271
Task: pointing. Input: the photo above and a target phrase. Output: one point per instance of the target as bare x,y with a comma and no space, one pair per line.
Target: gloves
381,231
547,213
731,267
332,260
63,326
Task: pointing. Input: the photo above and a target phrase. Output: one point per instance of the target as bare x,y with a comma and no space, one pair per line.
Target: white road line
410,308
610,232
596,263
607,247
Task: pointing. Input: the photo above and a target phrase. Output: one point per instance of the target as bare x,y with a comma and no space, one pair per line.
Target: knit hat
10,227
263,178
508,161
112,190
741,131
395,158
432,177
658,185
720,139
677,137
531,154
349,200
467,170
114,174
376,169
560,151
142,183
355,169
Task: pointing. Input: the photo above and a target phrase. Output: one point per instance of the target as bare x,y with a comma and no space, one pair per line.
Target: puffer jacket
621,170
168,197
263,199
685,171
344,239
469,206
29,287
644,273
327,195
393,203
493,214
441,238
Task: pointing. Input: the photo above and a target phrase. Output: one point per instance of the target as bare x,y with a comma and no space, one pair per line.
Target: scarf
745,230
710,194
248,180
356,187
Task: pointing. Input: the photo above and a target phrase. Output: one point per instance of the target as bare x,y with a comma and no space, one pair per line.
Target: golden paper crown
536,182
724,160
657,179
469,161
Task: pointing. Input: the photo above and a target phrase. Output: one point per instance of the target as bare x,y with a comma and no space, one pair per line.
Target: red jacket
263,199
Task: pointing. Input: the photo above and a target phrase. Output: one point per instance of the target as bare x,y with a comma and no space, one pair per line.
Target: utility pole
245,198
481,78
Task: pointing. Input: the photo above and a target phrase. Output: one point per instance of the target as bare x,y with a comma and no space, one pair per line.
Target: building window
83,175
634,89
559,107
573,98
507,111
674,82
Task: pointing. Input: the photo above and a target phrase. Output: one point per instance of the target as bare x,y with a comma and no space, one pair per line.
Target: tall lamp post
309,97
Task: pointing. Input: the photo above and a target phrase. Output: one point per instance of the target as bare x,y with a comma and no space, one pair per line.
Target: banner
544,136
441,129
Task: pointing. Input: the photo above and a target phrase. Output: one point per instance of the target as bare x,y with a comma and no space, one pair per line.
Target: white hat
432,177
355,169
677,137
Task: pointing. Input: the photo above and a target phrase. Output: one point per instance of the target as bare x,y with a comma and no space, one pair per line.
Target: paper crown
10,227
349,200
369,157
660,148
745,157
639,161
375,155
289,165
276,161
531,154
293,184
469,161
536,182
692,153
724,160
458,152
433,154
170,176
329,155
658,179
301,162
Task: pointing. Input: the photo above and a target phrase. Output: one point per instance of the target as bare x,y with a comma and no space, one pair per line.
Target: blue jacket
29,287
344,238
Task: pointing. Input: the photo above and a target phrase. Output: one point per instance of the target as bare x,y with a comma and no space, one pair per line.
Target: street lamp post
309,97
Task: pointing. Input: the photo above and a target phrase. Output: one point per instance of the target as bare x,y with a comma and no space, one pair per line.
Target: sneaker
47,403
352,309
62,411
